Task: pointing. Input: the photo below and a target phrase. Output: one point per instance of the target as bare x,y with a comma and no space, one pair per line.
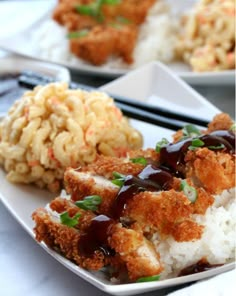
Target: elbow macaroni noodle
208,40
53,127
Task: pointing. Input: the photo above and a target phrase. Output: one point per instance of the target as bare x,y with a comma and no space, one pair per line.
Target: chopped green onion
89,202
67,220
161,144
189,191
116,25
118,179
148,279
87,9
117,175
233,127
191,131
123,20
196,143
218,147
140,160
94,9
77,34
118,182
112,2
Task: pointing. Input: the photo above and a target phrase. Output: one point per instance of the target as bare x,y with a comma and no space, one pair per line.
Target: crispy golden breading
65,14
112,32
138,253
135,252
80,184
134,11
214,171
104,41
221,121
177,136
61,205
149,153
203,201
64,238
105,166
187,230
161,212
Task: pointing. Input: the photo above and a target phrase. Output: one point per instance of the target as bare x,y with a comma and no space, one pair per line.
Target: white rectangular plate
18,39
153,83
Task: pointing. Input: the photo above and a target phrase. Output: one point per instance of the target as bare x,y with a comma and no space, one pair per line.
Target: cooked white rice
217,243
156,40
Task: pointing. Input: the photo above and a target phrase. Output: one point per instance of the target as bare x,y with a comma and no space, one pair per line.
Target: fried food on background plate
99,30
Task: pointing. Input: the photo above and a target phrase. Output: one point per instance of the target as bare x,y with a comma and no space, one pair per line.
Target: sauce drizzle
200,266
95,237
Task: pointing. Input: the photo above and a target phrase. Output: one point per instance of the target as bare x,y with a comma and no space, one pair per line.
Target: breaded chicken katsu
99,29
114,207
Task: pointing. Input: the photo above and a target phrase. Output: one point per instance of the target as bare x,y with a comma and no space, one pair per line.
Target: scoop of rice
217,244
53,127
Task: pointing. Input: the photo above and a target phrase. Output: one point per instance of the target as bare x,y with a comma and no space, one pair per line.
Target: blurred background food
207,42
122,34
127,34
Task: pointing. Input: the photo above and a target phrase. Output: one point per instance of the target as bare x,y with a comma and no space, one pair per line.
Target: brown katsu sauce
96,237
200,266
228,136
172,155
151,178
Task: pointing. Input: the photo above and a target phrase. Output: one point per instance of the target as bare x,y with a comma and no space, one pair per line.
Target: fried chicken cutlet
119,204
109,29
80,244
103,41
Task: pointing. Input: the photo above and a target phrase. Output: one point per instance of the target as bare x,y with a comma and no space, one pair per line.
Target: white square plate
153,83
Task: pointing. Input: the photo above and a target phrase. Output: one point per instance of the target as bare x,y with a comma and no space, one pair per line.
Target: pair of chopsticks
130,107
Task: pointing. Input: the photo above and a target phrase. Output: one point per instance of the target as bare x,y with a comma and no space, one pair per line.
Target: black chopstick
130,107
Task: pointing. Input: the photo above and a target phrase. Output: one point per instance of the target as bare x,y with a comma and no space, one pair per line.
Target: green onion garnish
191,131
140,160
189,191
196,143
233,127
148,279
89,202
67,220
161,144
86,9
218,147
94,9
118,179
77,34
111,2
123,20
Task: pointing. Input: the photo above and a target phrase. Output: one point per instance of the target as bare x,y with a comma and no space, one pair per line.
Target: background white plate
154,83
18,39
16,64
